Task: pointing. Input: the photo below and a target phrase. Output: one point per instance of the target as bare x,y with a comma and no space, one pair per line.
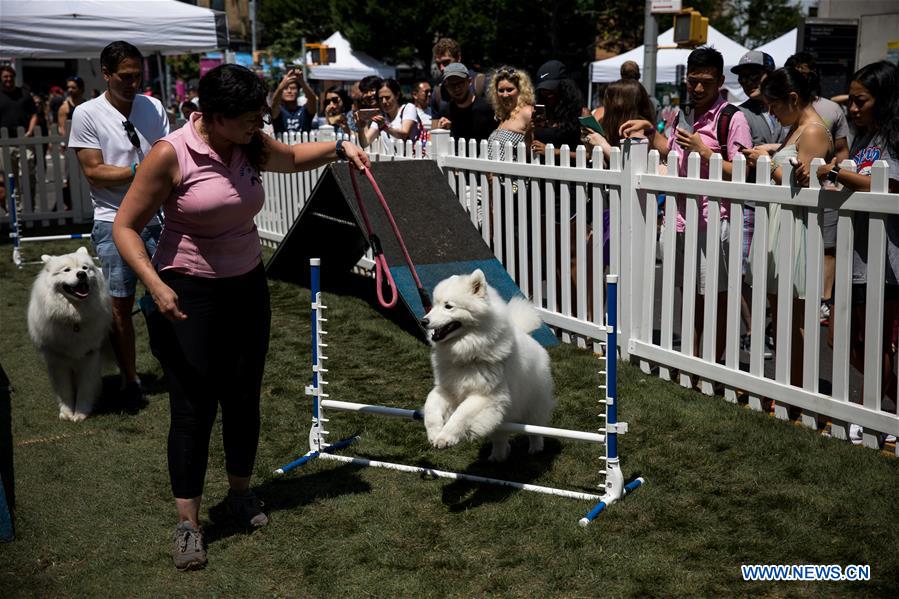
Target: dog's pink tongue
82,289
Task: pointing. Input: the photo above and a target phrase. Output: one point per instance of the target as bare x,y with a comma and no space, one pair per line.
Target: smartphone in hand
682,123
367,114
539,112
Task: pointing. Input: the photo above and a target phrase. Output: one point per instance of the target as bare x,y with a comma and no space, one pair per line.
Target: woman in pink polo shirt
210,329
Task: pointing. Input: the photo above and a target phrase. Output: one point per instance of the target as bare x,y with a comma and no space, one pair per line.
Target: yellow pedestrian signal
691,29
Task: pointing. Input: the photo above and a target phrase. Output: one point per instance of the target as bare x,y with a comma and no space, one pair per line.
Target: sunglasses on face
131,132
693,82
332,100
750,76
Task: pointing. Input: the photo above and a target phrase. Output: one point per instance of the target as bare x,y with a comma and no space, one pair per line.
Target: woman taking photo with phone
209,327
512,96
396,121
563,105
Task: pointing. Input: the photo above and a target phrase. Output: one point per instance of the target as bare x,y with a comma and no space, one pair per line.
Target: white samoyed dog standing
487,369
69,318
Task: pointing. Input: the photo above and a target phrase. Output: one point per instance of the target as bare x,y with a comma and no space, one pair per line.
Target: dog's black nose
81,275
424,322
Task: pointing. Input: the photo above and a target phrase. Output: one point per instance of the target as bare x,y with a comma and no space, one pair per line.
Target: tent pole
589,100
650,49
165,92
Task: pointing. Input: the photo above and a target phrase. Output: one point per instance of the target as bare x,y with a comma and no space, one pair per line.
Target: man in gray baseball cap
753,66
468,116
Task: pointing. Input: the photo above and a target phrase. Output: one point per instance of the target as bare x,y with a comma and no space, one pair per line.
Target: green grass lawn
725,486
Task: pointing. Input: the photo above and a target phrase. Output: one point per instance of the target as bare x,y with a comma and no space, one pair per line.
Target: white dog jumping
69,318
487,369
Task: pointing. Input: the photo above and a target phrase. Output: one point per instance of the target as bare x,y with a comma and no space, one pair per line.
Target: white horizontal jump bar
459,476
506,427
54,237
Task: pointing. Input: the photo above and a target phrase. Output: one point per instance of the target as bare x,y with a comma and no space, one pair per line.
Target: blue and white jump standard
16,227
613,487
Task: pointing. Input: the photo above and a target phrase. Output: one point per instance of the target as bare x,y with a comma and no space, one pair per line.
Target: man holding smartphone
287,114
698,132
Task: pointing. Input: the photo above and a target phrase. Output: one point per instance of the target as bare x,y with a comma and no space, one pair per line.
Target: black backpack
723,127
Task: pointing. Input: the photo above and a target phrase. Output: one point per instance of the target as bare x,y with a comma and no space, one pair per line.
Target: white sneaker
855,434
824,313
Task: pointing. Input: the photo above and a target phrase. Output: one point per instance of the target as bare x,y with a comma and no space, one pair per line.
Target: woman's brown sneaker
189,552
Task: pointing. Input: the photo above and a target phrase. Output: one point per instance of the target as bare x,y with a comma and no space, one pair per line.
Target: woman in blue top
874,114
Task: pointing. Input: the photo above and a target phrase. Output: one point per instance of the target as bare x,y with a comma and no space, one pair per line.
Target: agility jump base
614,486
16,227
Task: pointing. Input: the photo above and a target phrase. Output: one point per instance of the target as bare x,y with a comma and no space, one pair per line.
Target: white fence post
440,145
632,224
326,133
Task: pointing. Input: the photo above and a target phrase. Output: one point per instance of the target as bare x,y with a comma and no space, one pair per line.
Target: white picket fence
517,204
45,179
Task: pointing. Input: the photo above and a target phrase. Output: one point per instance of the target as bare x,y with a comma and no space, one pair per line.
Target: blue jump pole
317,433
315,266
615,487
15,233
612,369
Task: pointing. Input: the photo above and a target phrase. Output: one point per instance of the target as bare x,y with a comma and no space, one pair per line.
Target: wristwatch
832,175
338,149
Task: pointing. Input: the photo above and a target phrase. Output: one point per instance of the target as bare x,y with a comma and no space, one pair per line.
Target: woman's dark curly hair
564,115
881,79
231,90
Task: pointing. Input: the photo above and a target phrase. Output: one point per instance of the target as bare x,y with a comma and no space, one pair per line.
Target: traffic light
326,54
691,29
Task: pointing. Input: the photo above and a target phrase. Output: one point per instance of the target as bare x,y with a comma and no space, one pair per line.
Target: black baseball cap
550,73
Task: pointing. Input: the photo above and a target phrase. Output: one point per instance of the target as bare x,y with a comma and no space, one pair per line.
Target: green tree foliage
184,66
286,22
493,32
769,19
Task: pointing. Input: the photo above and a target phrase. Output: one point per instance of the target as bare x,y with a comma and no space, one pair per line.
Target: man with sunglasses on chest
111,134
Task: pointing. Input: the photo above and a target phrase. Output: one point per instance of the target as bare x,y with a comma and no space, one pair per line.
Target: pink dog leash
381,269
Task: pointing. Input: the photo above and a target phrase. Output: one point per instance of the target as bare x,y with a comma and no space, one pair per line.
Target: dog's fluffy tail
523,315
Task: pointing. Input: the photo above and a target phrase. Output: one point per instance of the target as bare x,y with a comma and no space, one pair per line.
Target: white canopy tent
667,61
350,65
781,48
82,28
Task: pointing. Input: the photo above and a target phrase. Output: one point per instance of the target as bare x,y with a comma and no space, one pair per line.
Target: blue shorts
122,281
